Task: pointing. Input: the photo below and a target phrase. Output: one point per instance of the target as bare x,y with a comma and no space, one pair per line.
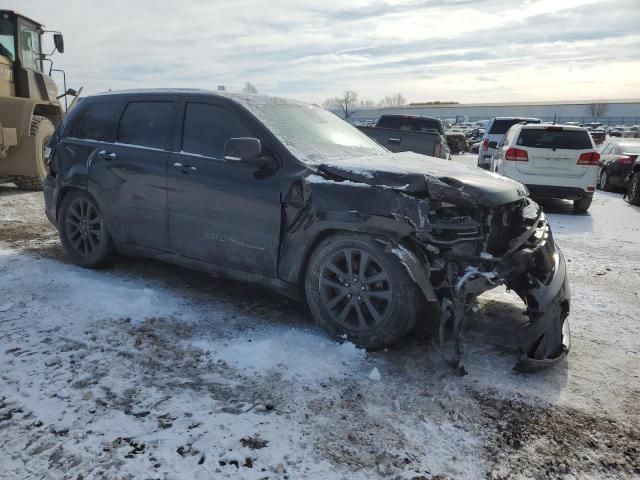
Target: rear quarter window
96,122
555,139
148,124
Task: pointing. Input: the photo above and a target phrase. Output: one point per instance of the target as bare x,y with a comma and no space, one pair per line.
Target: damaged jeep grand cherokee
287,194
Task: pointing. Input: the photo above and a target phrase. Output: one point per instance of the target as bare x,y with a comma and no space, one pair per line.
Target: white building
618,112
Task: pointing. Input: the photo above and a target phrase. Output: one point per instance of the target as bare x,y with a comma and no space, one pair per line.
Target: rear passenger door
222,211
130,175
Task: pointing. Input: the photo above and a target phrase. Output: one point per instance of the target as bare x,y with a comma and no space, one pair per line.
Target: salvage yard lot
145,370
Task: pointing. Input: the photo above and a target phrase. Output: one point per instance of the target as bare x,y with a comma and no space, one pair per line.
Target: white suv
493,134
553,161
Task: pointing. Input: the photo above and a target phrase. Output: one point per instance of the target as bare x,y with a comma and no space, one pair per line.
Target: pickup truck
410,133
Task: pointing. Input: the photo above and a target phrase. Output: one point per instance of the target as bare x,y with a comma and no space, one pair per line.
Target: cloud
462,50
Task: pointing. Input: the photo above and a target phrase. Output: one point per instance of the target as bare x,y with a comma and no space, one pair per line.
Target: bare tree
395,100
249,88
347,102
597,109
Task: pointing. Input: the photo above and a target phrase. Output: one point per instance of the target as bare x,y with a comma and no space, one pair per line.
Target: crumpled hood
434,177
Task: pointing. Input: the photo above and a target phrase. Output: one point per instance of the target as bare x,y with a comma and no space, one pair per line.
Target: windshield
7,39
311,133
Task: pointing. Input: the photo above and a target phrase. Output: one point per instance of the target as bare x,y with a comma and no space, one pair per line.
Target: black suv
286,194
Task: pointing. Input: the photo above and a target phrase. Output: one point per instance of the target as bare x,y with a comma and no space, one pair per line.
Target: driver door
221,211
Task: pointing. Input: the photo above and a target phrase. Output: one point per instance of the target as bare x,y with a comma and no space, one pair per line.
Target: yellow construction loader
30,107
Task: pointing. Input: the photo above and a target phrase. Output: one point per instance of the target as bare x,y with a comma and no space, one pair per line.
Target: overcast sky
467,51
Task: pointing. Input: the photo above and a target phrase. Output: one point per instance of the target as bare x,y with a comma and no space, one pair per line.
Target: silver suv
493,135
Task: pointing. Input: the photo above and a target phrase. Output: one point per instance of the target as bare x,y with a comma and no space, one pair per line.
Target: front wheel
358,291
633,190
83,231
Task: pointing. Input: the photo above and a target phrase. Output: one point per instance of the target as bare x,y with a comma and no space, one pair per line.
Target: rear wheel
633,190
582,204
42,129
605,184
83,232
358,291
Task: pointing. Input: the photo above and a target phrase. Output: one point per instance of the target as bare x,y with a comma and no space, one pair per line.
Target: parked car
553,161
410,133
475,148
289,195
598,135
493,135
616,159
617,131
456,141
633,183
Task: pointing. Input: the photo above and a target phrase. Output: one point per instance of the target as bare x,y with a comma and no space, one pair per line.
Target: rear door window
207,128
96,122
147,123
555,138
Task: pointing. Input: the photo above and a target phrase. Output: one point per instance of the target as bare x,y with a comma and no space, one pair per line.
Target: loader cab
22,59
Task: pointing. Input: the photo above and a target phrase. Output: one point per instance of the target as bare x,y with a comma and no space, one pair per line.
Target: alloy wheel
355,289
83,227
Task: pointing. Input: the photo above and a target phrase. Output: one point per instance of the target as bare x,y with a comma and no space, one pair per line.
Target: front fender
313,208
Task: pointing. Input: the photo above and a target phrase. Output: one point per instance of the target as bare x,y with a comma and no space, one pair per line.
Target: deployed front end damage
458,238
511,245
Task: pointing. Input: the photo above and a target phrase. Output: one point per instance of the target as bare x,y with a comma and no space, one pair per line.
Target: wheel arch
66,190
49,111
411,262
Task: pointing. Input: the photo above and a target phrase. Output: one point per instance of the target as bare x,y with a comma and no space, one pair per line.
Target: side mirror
246,150
58,41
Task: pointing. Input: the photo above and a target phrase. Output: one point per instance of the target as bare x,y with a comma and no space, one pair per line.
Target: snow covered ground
147,370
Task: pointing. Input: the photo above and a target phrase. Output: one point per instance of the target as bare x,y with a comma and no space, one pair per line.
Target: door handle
107,156
184,168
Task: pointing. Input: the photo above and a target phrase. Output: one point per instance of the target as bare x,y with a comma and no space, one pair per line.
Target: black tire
83,232
605,184
582,204
42,129
384,303
633,190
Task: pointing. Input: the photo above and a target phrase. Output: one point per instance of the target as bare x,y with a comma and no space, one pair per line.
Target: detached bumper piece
547,339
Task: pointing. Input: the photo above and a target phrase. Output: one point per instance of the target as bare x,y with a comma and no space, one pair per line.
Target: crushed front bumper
534,268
